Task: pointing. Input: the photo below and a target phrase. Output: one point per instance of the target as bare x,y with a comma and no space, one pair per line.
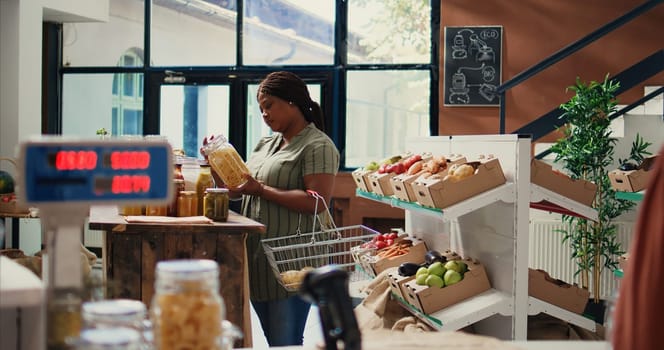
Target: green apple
437,269
422,270
463,267
435,281
452,265
451,277
421,279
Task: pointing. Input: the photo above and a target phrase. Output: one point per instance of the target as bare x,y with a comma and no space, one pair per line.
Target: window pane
388,105
397,31
88,104
256,128
103,44
193,33
190,113
288,32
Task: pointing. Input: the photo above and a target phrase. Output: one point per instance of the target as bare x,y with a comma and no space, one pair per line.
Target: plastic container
114,313
225,160
203,182
187,203
215,204
187,309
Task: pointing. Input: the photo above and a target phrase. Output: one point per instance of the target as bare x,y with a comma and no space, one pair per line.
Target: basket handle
11,160
327,210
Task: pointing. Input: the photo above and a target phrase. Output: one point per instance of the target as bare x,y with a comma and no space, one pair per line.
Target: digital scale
63,178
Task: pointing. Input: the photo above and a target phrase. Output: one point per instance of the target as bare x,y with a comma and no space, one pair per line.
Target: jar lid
187,268
178,181
188,193
110,337
216,190
113,310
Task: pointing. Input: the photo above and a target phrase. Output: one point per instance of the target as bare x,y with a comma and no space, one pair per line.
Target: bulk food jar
187,310
225,161
113,313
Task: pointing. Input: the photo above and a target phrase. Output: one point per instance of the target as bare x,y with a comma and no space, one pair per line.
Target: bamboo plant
586,151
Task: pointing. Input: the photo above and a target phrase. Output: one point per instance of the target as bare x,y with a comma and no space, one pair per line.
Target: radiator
548,252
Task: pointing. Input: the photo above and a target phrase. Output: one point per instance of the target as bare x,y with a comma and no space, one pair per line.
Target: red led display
75,160
130,184
130,160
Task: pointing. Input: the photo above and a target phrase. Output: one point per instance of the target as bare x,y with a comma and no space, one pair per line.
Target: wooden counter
131,251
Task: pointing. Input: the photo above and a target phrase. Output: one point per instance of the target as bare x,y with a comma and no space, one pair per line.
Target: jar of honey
173,206
187,310
225,160
215,204
187,203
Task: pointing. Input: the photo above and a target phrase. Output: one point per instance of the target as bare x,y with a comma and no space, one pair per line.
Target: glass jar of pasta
187,310
226,162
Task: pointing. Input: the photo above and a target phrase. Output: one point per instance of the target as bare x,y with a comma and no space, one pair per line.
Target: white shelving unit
493,228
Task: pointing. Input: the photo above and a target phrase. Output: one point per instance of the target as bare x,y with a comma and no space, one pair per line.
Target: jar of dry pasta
187,310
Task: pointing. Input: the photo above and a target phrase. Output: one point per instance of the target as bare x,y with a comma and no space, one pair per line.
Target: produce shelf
503,193
545,199
466,312
631,196
536,306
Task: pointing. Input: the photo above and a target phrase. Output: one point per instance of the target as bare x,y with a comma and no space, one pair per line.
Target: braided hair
289,87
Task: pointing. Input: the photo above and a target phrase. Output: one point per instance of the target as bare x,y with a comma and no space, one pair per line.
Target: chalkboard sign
473,63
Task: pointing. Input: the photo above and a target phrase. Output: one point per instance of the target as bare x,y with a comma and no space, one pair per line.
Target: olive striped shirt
310,152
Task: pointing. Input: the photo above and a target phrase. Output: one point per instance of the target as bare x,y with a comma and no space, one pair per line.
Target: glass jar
114,313
63,318
178,185
187,309
203,182
215,204
225,160
156,210
187,203
115,338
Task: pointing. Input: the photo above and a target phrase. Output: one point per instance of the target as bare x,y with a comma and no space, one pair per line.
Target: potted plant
587,152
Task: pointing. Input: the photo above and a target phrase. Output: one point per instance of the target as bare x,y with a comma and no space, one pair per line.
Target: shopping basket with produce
290,257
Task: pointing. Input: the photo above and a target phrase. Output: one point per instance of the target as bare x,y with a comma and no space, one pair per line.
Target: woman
298,157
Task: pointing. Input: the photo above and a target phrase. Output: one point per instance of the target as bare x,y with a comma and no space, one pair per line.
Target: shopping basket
290,257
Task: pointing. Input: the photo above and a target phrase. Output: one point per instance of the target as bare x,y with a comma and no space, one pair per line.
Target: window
377,75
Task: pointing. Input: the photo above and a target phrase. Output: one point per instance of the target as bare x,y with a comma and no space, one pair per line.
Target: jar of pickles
225,160
203,182
187,310
215,204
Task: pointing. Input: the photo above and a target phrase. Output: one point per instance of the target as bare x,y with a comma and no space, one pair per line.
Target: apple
422,271
453,265
437,269
451,277
435,281
421,279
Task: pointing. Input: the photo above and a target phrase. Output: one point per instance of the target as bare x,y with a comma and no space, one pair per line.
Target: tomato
389,242
379,238
381,244
392,235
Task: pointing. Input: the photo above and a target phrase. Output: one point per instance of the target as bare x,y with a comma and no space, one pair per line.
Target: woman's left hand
252,187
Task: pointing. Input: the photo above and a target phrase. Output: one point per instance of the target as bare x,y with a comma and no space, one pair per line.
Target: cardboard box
632,180
380,183
557,292
9,205
361,178
581,191
432,299
440,193
622,261
397,281
402,183
415,255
